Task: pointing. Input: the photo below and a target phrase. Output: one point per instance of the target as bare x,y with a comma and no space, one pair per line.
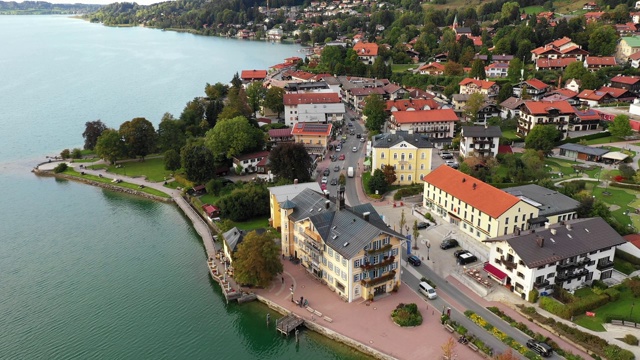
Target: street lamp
428,247
631,312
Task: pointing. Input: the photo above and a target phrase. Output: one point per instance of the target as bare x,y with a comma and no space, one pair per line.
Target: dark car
336,168
334,181
448,244
459,252
334,157
414,260
466,258
422,225
326,172
540,347
359,136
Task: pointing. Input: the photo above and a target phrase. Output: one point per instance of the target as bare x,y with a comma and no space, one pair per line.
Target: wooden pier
288,323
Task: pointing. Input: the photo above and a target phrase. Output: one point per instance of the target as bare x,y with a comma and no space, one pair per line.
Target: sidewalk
369,324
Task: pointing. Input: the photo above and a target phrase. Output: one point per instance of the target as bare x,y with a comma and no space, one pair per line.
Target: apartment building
315,137
532,113
480,141
409,153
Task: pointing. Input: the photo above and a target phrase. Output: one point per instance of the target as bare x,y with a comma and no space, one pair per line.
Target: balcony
387,261
510,265
379,280
383,248
567,276
482,141
313,236
604,265
541,284
573,264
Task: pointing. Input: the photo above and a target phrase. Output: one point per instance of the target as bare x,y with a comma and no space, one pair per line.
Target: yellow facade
411,163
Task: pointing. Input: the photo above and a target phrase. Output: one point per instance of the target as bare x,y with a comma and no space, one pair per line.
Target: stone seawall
103,185
313,325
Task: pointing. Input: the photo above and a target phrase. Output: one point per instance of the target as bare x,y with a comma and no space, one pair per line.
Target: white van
428,291
350,171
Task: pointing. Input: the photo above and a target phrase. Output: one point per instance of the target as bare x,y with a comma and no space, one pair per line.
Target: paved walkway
370,324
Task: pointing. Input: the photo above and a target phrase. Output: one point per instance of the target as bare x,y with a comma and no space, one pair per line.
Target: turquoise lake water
86,273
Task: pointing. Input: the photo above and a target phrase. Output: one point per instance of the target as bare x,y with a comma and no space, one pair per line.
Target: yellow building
409,153
627,46
315,137
351,249
479,209
278,194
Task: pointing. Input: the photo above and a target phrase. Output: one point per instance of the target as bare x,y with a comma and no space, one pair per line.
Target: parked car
350,124
459,252
334,157
451,163
326,172
466,258
339,148
336,168
541,348
359,136
362,139
355,149
341,157
334,181
324,179
422,225
446,155
414,260
448,244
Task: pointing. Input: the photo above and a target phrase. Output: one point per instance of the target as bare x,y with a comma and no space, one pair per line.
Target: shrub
627,257
614,294
555,307
407,191
407,315
533,295
625,185
587,137
65,154
76,153
630,339
62,167
599,283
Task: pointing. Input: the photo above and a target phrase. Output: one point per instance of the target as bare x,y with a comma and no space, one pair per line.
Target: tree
274,98
389,174
92,131
257,259
452,68
110,146
237,105
416,233
626,171
620,127
377,182
236,82
473,105
192,115
291,161
65,154
216,91
542,137
342,180
506,91
171,134
76,153
514,71
139,137
171,160
510,11
233,137
246,202
403,221
255,96
197,162
603,41
477,70
374,110
575,70
448,349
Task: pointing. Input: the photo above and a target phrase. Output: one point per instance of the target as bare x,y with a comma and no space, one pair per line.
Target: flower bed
407,315
497,333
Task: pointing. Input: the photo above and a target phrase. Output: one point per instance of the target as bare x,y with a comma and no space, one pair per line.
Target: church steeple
455,22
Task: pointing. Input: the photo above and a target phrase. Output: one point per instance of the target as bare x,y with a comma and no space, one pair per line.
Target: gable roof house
472,86
408,152
350,248
554,64
367,52
510,108
627,46
560,48
635,60
248,76
532,113
249,162
631,83
593,63
433,68
411,105
438,124
480,140
533,87
570,254
497,70
292,101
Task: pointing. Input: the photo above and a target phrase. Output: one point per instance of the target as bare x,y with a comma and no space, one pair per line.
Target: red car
323,187
341,157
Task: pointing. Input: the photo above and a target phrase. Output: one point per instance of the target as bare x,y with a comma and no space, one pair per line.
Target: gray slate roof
285,192
233,237
348,224
585,236
388,140
550,202
481,131
584,149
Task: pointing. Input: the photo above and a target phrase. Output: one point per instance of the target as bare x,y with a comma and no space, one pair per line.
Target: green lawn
627,201
152,169
510,134
147,190
624,307
604,140
209,199
399,68
252,224
530,10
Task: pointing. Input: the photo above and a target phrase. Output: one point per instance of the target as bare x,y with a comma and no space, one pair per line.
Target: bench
310,310
472,346
317,313
617,322
328,319
449,328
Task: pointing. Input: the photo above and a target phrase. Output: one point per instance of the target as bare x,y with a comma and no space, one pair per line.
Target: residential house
590,6
315,137
510,108
472,86
293,100
394,92
480,141
248,76
300,76
629,28
497,70
275,34
593,16
247,163
367,52
595,97
573,85
534,88
635,60
433,69
278,136
486,112
618,94
438,124
309,86
593,63
582,152
554,64
459,101
553,206
567,95
358,94
350,248
627,46
571,255
278,194
411,105
558,49
532,113
321,113
631,83
480,210
441,58
588,119
409,153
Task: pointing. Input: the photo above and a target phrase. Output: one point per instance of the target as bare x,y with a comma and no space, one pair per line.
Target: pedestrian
283,279
301,299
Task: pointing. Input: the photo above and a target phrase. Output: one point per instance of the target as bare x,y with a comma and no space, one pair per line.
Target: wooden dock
288,323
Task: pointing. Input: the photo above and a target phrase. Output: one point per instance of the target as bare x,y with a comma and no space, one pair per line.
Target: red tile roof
280,133
635,56
542,108
302,75
311,129
253,74
434,65
616,92
634,239
311,98
367,91
601,61
480,195
416,104
555,63
565,92
422,116
629,80
484,84
595,95
536,84
366,49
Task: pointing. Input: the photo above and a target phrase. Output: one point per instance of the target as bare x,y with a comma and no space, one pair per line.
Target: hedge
587,137
555,307
624,185
407,191
623,255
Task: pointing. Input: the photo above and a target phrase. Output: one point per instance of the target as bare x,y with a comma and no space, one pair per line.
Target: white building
480,141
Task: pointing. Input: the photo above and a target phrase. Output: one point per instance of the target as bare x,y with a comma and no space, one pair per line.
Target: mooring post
268,317
297,335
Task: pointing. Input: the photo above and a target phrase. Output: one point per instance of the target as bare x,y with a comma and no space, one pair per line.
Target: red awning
494,271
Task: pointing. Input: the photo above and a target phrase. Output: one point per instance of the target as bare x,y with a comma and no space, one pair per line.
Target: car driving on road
414,260
540,347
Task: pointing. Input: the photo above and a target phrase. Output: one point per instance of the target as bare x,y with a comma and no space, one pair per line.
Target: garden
406,315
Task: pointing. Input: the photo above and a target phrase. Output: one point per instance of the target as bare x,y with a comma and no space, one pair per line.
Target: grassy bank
147,190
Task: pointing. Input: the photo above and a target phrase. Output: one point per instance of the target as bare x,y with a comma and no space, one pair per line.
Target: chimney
568,226
365,216
553,231
474,186
295,181
341,198
546,225
464,179
327,203
540,241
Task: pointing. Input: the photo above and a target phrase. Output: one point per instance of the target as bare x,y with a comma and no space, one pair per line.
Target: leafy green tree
237,105
212,111
626,171
255,96
139,137
170,134
513,73
473,105
65,154
533,162
216,91
452,68
389,174
274,99
236,82
543,137
374,110
110,146
233,137
620,127
257,260
76,153
575,70
247,202
60,168
378,182
603,41
197,162
510,11
92,131
291,161
171,160
506,91
477,70
342,180
192,115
